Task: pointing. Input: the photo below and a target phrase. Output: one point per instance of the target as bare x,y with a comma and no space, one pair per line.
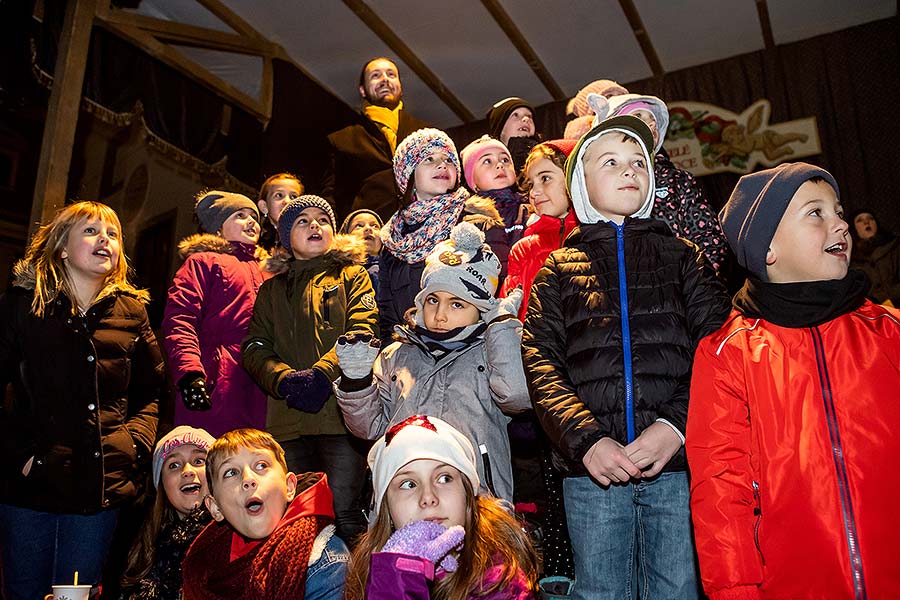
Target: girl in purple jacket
208,312
430,536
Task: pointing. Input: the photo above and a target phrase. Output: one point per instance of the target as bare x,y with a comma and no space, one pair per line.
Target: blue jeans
343,459
39,549
632,541
325,577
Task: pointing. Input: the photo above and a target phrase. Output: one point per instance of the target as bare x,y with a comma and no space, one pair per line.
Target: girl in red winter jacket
544,179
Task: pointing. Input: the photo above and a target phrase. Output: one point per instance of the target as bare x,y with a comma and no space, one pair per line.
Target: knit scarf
440,344
387,119
805,304
271,569
413,232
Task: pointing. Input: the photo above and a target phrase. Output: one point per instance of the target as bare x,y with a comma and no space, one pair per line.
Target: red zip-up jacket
527,256
792,445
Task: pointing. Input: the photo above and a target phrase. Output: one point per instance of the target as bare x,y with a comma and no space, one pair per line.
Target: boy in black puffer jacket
612,324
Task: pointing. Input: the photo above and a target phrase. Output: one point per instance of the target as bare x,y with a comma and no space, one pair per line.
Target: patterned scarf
413,232
439,345
387,119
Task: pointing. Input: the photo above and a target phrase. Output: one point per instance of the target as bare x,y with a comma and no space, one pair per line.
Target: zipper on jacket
757,512
837,453
626,331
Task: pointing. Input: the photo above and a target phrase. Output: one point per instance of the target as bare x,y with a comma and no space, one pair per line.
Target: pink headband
634,106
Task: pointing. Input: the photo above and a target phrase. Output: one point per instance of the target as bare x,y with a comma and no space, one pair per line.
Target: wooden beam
643,39
518,40
191,35
762,9
393,41
62,112
170,56
231,18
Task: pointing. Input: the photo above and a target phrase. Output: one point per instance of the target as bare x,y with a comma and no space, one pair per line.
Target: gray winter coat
473,388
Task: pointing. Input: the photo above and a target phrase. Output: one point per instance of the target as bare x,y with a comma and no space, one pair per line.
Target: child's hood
575,181
346,250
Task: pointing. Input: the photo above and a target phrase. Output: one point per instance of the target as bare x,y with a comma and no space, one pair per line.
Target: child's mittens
356,352
429,540
506,307
305,390
193,392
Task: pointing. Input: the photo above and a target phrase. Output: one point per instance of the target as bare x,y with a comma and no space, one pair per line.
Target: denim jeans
325,577
343,459
632,541
41,549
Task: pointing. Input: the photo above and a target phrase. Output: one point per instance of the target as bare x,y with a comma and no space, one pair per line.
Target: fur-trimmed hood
345,250
208,242
482,212
24,277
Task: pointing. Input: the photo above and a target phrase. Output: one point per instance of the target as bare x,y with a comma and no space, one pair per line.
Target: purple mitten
305,390
429,540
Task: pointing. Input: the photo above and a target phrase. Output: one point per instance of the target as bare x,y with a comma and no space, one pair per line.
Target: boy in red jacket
793,407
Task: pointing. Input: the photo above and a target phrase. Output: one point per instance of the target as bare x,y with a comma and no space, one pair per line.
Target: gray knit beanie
214,207
292,210
756,206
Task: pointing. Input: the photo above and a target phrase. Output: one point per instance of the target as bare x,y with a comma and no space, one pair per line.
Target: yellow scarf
387,119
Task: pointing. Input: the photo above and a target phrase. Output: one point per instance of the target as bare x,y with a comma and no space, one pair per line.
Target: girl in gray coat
459,359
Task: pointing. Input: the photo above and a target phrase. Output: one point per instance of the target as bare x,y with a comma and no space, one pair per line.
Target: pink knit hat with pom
604,87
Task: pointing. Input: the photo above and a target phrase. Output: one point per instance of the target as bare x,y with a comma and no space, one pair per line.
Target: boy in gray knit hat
790,436
458,358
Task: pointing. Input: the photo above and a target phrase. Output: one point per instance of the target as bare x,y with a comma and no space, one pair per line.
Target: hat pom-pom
466,237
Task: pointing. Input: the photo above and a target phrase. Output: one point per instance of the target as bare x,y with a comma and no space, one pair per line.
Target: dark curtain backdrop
849,80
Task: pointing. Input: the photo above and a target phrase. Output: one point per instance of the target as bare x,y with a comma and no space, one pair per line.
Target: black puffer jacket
575,346
85,399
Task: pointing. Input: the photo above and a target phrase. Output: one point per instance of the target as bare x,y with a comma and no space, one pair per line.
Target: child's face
434,176
647,117
365,226
548,193
519,124
493,171
278,193
616,177
92,249
444,312
427,490
812,242
866,226
311,233
183,478
252,491
241,226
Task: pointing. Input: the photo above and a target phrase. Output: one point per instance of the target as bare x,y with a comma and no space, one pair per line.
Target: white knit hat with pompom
463,266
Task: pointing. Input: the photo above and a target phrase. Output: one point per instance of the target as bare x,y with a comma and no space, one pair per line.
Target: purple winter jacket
207,315
394,576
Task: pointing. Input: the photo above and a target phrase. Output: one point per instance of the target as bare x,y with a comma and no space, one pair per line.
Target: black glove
305,390
193,392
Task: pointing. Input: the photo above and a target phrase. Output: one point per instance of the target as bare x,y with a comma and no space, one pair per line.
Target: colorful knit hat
419,437
292,210
756,206
471,154
463,266
180,436
415,148
499,114
214,207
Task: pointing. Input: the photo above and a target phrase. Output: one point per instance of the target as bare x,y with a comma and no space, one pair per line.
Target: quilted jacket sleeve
184,311
367,411
567,421
506,375
718,446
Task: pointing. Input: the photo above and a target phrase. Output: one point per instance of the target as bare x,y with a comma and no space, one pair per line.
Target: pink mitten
429,540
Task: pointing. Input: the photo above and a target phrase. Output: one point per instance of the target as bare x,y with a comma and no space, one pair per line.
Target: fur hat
628,103
756,206
292,210
604,87
626,125
415,148
214,207
474,151
416,438
463,266
345,226
499,114
182,435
